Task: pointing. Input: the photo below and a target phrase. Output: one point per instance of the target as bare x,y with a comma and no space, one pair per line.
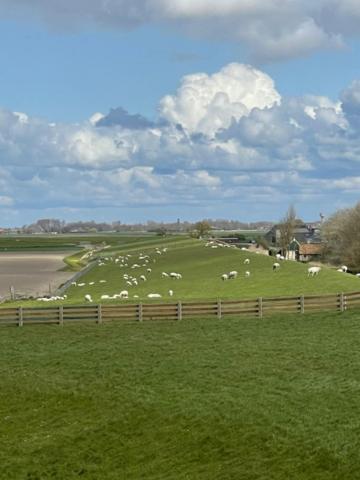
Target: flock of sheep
141,260
132,262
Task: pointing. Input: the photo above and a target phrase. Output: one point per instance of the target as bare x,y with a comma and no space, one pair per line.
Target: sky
156,109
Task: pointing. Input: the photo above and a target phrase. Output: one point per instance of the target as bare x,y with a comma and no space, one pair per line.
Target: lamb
246,261
88,297
313,271
154,295
224,276
276,266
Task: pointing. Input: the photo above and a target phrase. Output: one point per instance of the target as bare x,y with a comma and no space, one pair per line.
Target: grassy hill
201,269
272,399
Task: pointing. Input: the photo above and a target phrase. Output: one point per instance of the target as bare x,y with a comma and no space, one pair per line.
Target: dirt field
31,273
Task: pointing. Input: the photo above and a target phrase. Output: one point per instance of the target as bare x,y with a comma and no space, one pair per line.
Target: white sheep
149,270
313,271
233,274
143,278
344,268
88,297
171,293
81,284
224,276
124,294
105,297
175,275
102,281
276,266
164,274
154,295
247,274
246,261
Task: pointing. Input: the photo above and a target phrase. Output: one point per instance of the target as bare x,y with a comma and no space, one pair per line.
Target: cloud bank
225,142
271,30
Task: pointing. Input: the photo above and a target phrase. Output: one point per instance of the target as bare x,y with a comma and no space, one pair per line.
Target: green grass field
201,269
272,399
43,242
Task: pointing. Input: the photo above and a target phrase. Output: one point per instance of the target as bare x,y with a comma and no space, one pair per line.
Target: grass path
272,399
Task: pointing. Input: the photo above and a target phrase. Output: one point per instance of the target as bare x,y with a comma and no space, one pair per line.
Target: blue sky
246,110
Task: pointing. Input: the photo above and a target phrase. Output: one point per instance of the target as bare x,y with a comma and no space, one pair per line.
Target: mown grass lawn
271,399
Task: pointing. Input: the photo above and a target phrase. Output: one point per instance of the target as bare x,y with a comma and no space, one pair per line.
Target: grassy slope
202,268
242,399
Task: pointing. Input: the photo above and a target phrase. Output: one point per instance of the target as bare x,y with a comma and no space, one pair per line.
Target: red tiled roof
311,248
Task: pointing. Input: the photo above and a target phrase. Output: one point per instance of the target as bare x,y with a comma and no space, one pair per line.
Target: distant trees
202,228
287,227
341,233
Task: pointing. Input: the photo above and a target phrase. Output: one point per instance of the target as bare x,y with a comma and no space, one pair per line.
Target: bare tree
341,233
287,228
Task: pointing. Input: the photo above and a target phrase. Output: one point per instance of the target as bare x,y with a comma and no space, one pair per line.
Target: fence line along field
259,307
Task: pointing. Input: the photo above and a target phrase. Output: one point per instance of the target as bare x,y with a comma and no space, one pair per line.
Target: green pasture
271,399
201,269
45,242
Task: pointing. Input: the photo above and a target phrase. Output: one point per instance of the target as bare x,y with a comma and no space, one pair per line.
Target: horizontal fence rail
220,309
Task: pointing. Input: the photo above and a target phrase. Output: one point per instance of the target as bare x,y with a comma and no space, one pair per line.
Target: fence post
302,304
342,303
99,314
61,315
140,312
219,310
21,318
179,311
260,307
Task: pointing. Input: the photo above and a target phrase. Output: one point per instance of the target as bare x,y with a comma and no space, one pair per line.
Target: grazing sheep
276,266
340,270
154,295
344,268
143,278
282,257
149,270
91,283
171,293
128,283
233,274
164,274
177,276
243,248
81,284
73,283
135,296
313,271
357,275
102,281
224,276
124,294
105,297
246,261
247,274
88,297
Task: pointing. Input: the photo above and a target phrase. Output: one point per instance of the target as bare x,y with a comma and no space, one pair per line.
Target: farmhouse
310,251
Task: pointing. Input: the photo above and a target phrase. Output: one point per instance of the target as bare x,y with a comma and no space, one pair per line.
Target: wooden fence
259,307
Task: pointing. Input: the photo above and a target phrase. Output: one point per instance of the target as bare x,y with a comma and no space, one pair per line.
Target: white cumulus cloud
206,103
